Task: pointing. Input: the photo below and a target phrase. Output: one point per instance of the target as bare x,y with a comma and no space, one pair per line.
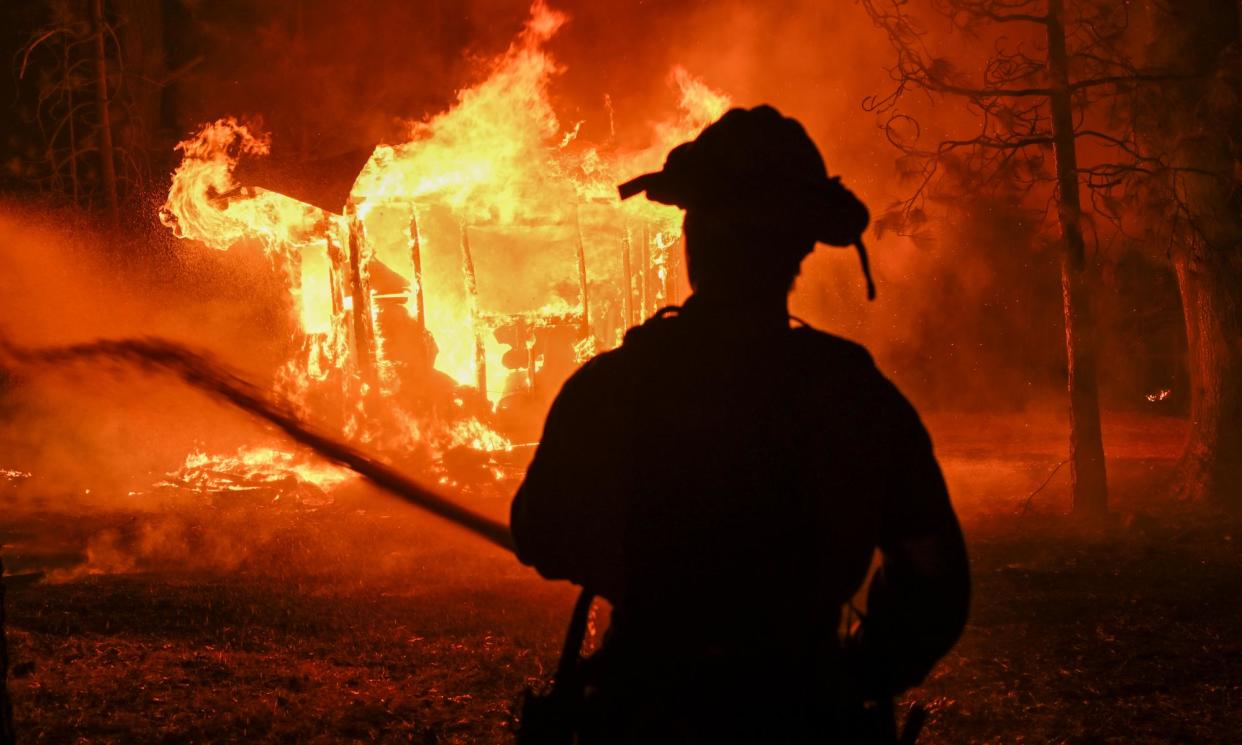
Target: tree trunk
73,134
142,120
107,160
1086,450
1203,118
1211,467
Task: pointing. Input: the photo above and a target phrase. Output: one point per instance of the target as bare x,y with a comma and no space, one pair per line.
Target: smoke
209,376
326,78
93,437
967,318
83,434
154,541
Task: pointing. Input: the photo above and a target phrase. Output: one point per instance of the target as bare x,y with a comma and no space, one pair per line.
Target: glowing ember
13,476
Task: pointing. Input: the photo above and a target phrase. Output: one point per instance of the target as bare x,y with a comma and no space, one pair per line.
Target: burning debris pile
445,292
257,474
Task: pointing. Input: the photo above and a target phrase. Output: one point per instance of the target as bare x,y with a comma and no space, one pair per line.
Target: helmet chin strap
866,267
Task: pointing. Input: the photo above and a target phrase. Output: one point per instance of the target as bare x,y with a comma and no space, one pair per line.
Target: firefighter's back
752,489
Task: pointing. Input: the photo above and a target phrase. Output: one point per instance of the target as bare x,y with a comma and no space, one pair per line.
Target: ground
364,622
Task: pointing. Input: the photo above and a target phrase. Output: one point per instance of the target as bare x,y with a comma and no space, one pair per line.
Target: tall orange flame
509,224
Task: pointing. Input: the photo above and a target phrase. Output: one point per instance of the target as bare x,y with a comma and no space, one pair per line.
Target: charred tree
1056,77
1086,448
107,155
1190,132
1211,464
92,112
54,64
141,80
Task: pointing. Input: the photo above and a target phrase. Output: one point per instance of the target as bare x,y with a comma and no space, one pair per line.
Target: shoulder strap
571,652
553,718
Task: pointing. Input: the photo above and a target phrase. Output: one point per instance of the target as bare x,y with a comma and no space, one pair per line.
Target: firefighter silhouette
726,476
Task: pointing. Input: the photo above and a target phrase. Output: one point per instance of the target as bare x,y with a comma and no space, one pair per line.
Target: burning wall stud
416,257
582,275
676,254
644,280
472,301
627,281
337,270
364,333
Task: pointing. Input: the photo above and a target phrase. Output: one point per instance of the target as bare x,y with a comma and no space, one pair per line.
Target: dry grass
345,625
1128,636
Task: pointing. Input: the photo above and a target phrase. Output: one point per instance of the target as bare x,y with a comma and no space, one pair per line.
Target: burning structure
446,285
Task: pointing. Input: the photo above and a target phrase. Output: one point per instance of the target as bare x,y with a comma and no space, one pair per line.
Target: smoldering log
472,300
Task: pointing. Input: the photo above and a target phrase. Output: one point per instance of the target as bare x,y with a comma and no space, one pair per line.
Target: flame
255,469
205,204
510,214
475,435
488,156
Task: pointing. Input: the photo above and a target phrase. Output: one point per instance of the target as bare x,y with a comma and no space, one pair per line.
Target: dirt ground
363,622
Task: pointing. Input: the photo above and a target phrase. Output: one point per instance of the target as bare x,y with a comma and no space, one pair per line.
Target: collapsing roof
323,182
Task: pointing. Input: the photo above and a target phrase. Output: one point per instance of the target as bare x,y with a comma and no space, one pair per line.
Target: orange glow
509,213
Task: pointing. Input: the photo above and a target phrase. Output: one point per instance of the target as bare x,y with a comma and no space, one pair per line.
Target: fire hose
202,371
